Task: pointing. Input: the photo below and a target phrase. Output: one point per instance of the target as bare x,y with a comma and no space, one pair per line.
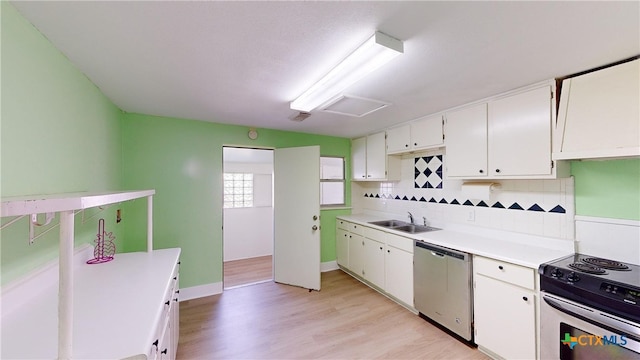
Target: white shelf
65,205
39,204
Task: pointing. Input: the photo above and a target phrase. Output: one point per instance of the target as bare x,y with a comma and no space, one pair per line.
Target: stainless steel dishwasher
442,287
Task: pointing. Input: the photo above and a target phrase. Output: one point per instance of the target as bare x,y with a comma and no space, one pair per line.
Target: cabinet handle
176,299
500,267
389,251
380,247
178,262
155,343
498,171
363,176
368,175
525,298
363,243
415,144
177,291
167,302
481,171
406,145
164,352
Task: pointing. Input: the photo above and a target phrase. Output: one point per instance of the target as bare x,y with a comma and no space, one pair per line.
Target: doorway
248,231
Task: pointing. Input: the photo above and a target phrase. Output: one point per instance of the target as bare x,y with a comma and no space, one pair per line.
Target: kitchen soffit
244,62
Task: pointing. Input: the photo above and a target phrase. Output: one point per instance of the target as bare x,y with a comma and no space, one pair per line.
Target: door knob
315,217
314,227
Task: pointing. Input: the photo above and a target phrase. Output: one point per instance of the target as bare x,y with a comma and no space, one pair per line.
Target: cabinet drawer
356,229
400,242
342,224
375,234
505,271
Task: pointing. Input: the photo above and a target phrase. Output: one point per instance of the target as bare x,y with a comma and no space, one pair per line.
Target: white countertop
520,249
117,307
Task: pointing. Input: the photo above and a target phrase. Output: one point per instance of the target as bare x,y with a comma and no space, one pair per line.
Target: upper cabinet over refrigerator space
599,114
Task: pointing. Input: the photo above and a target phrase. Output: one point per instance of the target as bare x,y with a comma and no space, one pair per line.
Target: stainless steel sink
413,229
389,223
403,226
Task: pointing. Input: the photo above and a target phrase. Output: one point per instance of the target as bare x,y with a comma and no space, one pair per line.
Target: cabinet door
342,247
600,112
466,141
426,132
374,262
520,134
399,274
398,139
356,253
359,158
503,311
376,156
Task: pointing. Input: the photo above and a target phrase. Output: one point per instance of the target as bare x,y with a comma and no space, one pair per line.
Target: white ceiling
243,62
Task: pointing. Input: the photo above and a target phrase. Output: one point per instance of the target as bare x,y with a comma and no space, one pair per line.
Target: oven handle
595,317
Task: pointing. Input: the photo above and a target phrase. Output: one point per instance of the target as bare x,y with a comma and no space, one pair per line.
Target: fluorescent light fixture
371,55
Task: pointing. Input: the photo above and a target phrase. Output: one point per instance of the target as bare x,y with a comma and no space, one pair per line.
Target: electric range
608,285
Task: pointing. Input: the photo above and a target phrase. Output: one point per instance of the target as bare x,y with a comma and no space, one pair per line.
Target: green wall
182,160
58,133
609,189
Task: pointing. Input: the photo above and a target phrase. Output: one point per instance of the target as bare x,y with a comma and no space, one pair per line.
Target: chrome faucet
410,217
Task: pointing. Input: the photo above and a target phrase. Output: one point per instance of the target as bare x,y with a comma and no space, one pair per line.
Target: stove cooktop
606,284
578,266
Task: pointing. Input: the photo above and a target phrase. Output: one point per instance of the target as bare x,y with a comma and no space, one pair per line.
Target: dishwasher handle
441,252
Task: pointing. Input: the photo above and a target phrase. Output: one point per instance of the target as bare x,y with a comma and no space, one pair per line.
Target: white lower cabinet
399,274
342,247
374,262
504,309
165,345
381,259
356,254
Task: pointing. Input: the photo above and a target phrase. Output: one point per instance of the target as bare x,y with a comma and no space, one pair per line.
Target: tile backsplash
536,207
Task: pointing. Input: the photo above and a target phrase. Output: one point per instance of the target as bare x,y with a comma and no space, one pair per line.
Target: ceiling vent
353,106
302,115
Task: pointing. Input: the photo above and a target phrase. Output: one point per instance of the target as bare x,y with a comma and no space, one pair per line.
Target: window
238,190
331,181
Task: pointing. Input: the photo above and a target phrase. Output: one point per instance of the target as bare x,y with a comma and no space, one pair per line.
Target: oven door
569,330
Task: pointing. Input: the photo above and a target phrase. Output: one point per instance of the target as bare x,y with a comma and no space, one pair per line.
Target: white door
296,202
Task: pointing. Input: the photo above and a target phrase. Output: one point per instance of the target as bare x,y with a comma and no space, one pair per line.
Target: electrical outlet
471,215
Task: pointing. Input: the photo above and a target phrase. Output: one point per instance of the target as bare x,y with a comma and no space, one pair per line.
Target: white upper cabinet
467,142
370,161
398,139
599,114
376,156
509,137
359,158
420,134
519,131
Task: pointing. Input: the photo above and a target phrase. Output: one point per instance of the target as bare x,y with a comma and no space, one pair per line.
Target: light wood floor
247,271
345,320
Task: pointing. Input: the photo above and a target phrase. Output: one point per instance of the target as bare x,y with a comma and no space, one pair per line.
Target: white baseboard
199,291
329,266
